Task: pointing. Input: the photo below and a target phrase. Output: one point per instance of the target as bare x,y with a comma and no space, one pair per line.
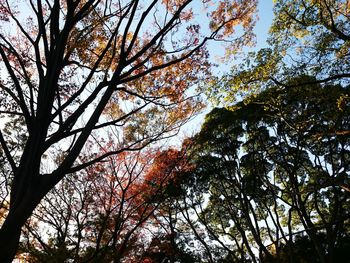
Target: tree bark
10,231
19,212
9,240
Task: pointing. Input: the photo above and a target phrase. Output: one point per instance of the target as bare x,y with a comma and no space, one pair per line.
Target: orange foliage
167,167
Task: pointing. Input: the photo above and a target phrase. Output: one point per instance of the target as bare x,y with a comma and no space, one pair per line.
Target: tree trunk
10,231
9,240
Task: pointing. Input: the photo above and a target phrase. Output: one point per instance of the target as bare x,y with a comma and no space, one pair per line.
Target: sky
265,16
265,19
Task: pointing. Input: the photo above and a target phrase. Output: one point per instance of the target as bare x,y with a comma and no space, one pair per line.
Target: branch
126,30
334,29
11,112
138,27
7,153
334,77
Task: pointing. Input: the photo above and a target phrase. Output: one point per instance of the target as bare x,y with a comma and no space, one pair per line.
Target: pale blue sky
265,19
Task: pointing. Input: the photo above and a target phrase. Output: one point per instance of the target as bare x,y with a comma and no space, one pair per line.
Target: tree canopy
74,71
270,175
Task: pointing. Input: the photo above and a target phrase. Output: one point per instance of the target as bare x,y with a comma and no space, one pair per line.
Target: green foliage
271,167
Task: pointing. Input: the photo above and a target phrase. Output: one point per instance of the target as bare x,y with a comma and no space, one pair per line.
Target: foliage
307,37
74,71
273,168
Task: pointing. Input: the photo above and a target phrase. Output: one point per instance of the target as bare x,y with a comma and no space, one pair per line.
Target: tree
273,168
112,226
166,246
307,37
120,224
67,63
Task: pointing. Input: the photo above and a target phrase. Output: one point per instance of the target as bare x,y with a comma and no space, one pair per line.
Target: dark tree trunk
19,212
9,240
10,231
